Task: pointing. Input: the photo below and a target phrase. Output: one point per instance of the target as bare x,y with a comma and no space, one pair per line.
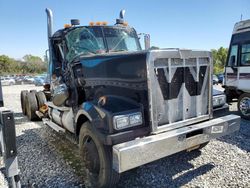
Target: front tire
244,105
97,158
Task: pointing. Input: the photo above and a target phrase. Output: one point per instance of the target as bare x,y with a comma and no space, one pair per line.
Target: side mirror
232,61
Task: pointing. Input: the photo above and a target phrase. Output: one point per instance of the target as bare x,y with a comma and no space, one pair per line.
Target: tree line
219,59
29,65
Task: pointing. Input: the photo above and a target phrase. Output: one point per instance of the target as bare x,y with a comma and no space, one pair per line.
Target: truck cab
122,105
237,70
74,42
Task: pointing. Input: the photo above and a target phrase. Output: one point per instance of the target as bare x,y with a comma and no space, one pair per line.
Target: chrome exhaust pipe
49,22
50,30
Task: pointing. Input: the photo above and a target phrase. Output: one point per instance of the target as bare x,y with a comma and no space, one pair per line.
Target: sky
193,24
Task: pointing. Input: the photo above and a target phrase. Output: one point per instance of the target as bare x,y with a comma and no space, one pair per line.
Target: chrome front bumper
140,151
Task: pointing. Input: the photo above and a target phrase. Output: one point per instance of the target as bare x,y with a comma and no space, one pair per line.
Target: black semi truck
125,106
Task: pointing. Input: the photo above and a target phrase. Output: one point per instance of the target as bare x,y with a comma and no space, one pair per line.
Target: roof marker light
98,23
67,26
104,23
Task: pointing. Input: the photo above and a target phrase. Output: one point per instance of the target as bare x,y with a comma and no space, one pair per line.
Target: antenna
241,17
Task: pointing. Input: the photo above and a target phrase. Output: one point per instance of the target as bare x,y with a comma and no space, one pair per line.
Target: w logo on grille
171,89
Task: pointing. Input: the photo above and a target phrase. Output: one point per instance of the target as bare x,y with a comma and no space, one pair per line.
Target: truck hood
123,74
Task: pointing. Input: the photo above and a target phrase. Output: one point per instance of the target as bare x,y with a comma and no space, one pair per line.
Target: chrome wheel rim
245,106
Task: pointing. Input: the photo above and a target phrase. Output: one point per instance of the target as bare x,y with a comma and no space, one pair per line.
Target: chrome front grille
179,84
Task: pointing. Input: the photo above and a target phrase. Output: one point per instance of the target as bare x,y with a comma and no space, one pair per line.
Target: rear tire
23,101
41,99
97,158
244,105
31,106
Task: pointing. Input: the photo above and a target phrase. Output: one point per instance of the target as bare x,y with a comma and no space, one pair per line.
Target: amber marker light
98,23
67,26
125,24
104,23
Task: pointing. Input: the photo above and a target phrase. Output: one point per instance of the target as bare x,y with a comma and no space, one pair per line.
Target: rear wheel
31,106
97,158
41,99
23,101
244,105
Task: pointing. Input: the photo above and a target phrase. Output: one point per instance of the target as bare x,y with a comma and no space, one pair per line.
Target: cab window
245,55
232,61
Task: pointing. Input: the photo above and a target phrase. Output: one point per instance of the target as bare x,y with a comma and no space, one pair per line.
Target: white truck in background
237,70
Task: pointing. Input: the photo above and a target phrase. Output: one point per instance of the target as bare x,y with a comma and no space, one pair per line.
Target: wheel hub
91,156
245,106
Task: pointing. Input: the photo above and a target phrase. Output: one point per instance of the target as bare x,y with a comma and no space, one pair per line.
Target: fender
100,113
90,112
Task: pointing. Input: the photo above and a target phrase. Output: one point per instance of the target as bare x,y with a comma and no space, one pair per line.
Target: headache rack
179,88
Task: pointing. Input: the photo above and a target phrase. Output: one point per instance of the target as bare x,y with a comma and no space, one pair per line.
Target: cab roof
62,32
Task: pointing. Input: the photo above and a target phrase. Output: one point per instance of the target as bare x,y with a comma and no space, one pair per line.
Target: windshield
119,39
91,40
84,41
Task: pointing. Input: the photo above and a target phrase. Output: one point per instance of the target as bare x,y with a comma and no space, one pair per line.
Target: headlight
129,120
219,100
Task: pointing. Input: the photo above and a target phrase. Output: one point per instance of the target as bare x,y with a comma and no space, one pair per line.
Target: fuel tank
62,116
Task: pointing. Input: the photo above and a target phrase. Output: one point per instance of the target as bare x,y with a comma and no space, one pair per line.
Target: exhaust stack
120,20
49,21
50,30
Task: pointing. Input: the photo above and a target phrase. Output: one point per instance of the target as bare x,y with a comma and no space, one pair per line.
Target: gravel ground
49,160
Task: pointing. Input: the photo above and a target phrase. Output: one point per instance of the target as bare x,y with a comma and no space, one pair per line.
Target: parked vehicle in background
28,80
237,70
19,80
39,80
220,78
220,105
7,81
215,79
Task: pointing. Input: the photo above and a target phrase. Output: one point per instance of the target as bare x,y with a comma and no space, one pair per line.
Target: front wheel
244,105
97,158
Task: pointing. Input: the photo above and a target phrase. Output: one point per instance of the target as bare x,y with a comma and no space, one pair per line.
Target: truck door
231,70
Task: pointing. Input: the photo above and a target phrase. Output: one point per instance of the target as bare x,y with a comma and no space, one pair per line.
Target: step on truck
125,106
237,70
